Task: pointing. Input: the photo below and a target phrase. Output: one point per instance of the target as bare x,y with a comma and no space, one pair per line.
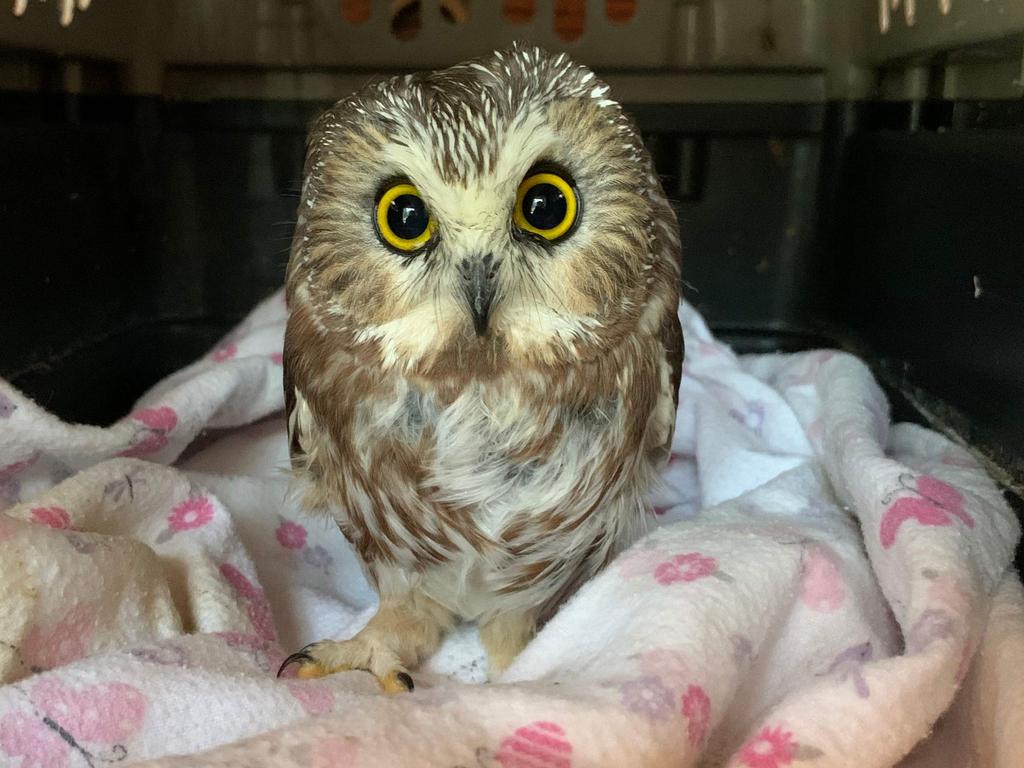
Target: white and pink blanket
823,589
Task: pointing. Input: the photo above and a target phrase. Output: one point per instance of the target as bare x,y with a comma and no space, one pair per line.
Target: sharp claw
296,658
405,679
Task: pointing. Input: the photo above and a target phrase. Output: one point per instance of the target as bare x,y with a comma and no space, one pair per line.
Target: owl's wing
671,335
290,402
303,434
672,341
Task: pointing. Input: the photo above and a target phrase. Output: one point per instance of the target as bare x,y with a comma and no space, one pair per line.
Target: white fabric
813,595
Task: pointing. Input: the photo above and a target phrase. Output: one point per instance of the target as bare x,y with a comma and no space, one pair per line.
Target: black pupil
407,216
544,206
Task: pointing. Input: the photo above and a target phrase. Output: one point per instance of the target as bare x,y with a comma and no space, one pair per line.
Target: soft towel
814,592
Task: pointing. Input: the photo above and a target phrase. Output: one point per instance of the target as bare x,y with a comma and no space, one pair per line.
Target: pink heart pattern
106,713
256,602
688,566
158,423
38,745
46,646
538,745
935,503
822,588
69,719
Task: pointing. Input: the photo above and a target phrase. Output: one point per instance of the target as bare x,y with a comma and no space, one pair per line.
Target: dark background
136,231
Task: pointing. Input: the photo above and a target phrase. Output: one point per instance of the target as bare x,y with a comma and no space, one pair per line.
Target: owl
483,352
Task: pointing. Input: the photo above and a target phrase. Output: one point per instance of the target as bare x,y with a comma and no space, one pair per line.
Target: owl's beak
479,281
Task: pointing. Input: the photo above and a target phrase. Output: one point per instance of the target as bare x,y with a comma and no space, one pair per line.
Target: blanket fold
821,587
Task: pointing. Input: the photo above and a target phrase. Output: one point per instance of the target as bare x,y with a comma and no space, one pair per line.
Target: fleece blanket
820,588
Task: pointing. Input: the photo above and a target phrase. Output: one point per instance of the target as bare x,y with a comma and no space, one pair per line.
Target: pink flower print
647,696
46,646
935,504
226,352
276,358
697,711
53,517
688,566
257,606
315,699
770,748
290,535
158,422
822,588
194,512
37,745
538,745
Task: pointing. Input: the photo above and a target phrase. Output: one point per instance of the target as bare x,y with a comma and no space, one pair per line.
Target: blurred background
846,173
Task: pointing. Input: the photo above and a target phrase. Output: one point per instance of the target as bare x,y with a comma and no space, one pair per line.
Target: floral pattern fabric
811,566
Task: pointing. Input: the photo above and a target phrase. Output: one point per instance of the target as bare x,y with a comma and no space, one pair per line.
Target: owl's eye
547,205
402,218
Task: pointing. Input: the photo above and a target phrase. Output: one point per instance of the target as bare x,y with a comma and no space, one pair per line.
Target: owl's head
499,213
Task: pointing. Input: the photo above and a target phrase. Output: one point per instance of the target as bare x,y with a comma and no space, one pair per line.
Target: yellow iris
402,218
546,204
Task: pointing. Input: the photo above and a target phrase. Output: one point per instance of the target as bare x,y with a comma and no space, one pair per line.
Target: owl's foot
404,630
328,657
504,637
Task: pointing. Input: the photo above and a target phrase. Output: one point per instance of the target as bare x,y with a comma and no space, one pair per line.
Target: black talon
301,656
405,679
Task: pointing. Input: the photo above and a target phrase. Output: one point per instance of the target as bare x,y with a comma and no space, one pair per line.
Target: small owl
483,354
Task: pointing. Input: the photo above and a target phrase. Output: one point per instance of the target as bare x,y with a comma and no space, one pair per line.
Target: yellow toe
310,671
396,682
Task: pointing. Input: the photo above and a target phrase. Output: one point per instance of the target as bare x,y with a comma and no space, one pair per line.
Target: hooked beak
479,281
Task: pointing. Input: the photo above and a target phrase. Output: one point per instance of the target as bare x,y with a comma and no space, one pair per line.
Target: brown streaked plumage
484,416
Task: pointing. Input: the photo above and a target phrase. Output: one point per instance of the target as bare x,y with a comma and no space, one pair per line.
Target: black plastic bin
136,231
